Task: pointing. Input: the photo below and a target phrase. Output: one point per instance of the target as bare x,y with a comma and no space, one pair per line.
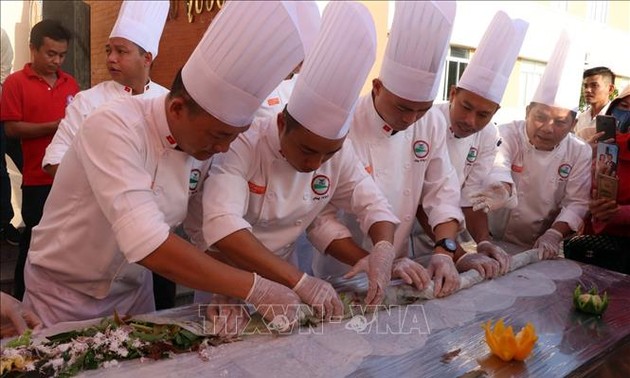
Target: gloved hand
548,244
276,303
445,277
486,266
15,318
411,272
494,197
229,315
497,253
378,266
320,295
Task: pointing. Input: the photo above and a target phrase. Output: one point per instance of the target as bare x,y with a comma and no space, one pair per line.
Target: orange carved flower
505,345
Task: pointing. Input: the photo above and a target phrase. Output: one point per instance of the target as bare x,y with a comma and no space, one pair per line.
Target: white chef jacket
122,187
277,100
410,167
552,186
585,125
472,157
84,103
254,187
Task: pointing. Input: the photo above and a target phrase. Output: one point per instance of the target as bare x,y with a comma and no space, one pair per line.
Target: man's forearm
250,254
27,130
476,224
346,251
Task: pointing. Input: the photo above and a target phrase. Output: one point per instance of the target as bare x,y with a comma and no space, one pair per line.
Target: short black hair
51,29
605,72
178,90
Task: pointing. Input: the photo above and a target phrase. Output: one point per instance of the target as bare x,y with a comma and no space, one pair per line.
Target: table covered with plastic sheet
434,338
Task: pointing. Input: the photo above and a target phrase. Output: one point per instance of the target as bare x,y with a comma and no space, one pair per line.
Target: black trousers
33,200
609,252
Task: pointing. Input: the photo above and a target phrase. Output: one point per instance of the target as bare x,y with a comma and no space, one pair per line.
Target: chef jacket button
271,195
305,197
158,190
298,222
407,165
288,245
407,192
407,217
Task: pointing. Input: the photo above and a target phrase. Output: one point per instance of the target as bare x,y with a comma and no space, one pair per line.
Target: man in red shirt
34,100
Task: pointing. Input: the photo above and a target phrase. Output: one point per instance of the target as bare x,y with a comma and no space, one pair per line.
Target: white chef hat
335,70
561,82
417,46
142,22
490,67
249,48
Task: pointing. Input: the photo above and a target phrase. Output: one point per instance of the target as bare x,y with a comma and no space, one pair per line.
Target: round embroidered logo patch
472,155
421,149
195,174
564,170
320,185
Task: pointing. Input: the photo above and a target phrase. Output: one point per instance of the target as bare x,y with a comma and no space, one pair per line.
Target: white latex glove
411,272
548,244
378,266
229,315
483,264
277,304
445,277
494,197
495,252
15,318
320,295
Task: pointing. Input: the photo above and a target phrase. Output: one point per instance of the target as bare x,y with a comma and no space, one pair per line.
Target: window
457,60
529,77
598,11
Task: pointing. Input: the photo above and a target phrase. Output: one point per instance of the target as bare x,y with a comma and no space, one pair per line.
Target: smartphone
607,124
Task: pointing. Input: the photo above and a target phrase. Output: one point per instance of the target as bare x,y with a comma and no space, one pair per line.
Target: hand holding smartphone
607,124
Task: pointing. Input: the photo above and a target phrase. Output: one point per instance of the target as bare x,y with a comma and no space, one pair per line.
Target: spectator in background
598,85
34,100
605,239
7,231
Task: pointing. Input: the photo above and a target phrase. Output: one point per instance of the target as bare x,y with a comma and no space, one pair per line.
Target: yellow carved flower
505,345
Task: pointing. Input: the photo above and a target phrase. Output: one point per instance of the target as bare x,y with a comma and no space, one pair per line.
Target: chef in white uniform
137,167
472,139
131,49
402,144
549,167
280,174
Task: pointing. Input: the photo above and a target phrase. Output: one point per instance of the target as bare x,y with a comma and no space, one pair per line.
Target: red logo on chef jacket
320,185
472,155
421,149
171,140
193,183
564,170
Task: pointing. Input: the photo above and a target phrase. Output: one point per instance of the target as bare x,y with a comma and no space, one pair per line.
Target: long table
436,338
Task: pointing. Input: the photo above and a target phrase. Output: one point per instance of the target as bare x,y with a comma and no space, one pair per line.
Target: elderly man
550,168
135,172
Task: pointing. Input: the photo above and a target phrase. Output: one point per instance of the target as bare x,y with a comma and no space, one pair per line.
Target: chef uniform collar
416,49
335,70
489,69
142,23
249,48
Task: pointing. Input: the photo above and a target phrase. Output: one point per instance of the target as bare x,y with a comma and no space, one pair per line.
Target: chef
276,177
549,167
131,49
402,144
137,167
472,139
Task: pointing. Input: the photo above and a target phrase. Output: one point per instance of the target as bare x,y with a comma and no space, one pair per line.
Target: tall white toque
249,48
561,82
335,70
417,46
489,70
142,23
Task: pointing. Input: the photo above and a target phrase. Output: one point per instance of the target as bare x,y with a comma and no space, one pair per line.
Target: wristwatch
449,245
